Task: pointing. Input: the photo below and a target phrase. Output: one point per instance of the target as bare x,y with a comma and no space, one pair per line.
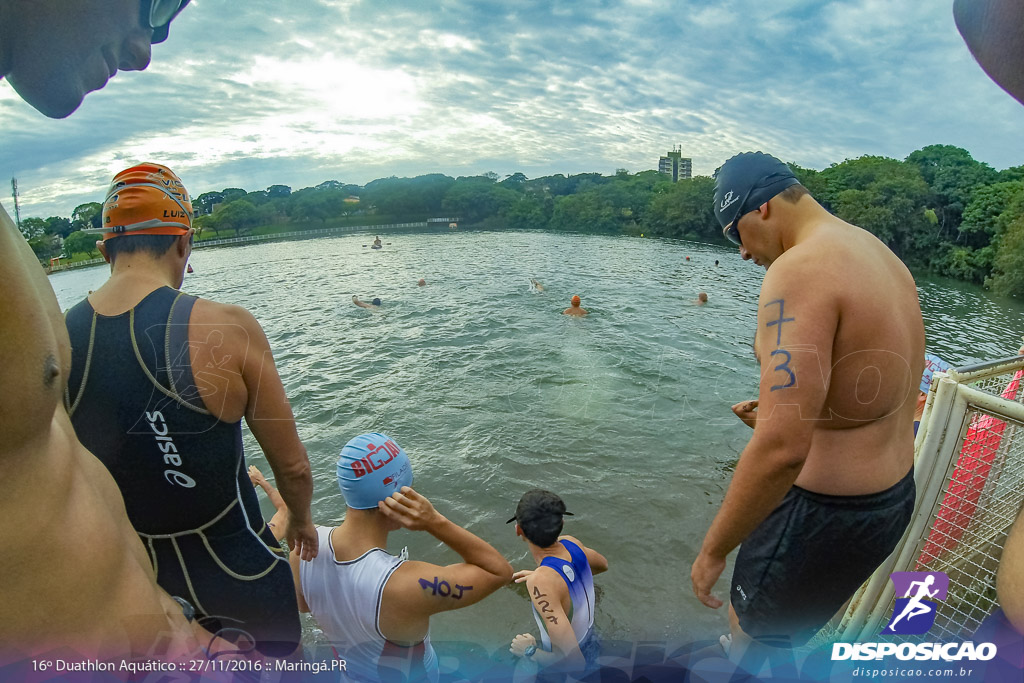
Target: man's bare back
75,573
861,441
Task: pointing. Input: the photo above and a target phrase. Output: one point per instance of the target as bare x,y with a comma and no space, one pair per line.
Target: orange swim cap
575,300
148,199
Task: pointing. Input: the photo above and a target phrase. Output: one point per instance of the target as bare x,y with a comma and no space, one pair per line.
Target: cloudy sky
249,94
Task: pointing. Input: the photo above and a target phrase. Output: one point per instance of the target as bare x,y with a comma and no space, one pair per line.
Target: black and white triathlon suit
135,405
810,555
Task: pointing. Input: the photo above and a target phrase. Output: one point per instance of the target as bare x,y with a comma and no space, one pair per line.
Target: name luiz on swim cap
372,467
147,199
746,181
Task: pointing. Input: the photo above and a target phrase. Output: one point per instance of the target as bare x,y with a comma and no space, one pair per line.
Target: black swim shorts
810,555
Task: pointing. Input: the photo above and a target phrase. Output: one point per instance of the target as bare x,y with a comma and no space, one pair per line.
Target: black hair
154,245
540,536
793,193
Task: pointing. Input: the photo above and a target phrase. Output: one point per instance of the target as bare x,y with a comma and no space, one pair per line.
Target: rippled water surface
491,391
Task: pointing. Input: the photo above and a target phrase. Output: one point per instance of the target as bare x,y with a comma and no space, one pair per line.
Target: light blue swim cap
372,467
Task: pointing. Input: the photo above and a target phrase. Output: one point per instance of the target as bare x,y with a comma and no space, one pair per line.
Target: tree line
938,210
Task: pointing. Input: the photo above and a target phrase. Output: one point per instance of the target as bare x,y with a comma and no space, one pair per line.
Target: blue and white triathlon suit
580,580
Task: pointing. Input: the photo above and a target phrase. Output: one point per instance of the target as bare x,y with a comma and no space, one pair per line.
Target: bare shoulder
214,322
567,537
215,313
543,582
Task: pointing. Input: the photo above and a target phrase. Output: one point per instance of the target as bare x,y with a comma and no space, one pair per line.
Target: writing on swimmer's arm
444,589
544,605
783,366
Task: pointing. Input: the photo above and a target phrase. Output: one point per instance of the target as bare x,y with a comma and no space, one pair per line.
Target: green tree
408,198
953,176
321,205
586,211
87,215
204,203
32,227
983,218
476,198
80,243
1008,272
888,198
275,191
685,209
526,213
515,181
230,194
240,216
60,226
45,247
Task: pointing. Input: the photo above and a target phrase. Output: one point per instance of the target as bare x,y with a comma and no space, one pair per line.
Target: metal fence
969,469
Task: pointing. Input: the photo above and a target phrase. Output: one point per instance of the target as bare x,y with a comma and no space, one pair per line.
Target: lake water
624,413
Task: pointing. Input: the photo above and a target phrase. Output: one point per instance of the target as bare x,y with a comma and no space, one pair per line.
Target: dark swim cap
539,515
375,302
747,181
160,32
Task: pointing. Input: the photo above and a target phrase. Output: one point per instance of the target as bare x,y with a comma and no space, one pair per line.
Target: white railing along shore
264,238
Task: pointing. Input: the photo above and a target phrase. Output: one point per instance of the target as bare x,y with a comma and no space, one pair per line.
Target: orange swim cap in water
575,300
148,199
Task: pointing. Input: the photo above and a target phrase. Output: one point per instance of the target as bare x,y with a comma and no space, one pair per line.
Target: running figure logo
914,613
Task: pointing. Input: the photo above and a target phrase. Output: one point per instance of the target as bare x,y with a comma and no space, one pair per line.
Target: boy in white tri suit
375,607
561,589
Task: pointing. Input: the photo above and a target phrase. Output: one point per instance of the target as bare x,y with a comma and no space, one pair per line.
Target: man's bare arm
439,589
269,416
796,329
544,588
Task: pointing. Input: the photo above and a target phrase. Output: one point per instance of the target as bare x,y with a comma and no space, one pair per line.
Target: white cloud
251,95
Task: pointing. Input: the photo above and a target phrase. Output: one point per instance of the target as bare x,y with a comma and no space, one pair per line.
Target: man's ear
184,243
102,248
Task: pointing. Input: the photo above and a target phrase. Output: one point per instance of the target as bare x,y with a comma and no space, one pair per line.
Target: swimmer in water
373,305
701,299
421,283
376,241
575,308
536,285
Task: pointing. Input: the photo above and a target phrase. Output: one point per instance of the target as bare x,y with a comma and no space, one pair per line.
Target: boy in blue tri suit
561,589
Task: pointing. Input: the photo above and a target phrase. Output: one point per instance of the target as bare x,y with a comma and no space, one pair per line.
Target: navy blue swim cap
370,468
375,302
747,181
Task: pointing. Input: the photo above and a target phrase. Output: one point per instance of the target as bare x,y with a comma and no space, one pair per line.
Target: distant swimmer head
372,467
575,300
539,514
421,283
147,199
703,297
745,182
375,301
932,364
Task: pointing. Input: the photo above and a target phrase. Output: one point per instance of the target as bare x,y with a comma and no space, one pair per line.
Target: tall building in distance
674,164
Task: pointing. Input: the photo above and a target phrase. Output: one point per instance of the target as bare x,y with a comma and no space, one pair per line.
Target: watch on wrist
530,649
